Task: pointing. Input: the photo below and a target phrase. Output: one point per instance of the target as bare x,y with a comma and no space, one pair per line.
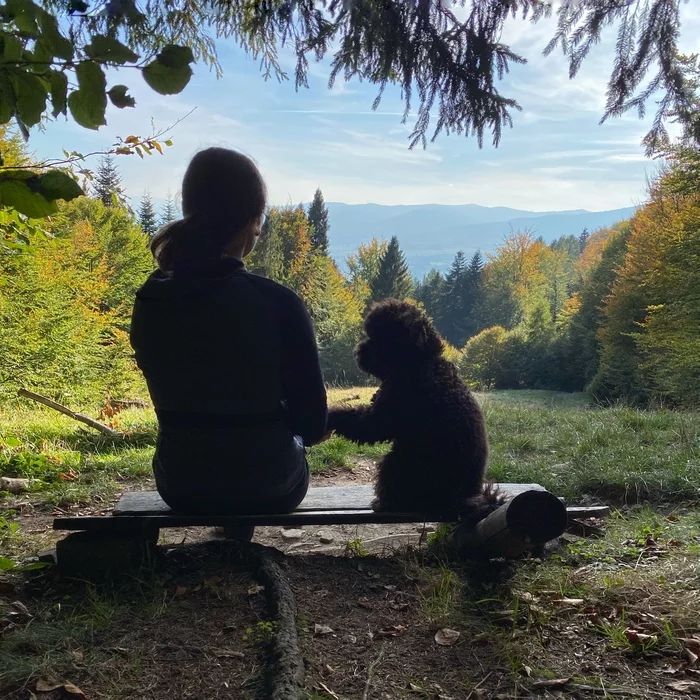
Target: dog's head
398,337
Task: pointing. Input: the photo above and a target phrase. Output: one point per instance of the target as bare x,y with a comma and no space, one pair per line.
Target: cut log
522,524
16,485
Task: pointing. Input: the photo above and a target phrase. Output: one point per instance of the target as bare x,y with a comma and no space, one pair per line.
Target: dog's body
439,445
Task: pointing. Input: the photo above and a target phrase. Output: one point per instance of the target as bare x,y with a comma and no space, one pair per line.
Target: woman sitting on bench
230,358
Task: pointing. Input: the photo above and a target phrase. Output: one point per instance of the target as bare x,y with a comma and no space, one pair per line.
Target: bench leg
96,555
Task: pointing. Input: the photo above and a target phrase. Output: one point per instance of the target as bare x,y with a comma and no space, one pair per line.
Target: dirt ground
370,624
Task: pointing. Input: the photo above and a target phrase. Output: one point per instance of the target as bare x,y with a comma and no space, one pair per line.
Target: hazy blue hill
430,234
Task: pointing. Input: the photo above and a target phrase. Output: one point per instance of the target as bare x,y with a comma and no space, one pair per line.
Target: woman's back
230,358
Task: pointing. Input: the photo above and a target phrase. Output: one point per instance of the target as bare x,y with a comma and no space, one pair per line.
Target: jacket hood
201,277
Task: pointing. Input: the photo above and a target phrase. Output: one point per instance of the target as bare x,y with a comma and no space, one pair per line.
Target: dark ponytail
222,194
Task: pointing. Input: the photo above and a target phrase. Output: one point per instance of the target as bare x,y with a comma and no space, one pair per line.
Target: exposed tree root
284,676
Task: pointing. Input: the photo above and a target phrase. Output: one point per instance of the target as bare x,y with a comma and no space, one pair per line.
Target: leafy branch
32,189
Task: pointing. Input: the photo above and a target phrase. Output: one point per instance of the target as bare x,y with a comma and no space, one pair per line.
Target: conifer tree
456,290
147,214
583,239
394,279
107,184
472,324
430,292
168,212
475,266
318,218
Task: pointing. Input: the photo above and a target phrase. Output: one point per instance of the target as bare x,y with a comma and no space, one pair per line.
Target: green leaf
56,184
173,56
11,441
7,101
60,46
23,14
106,49
42,54
34,566
6,564
89,102
164,80
12,50
31,96
59,90
119,97
18,195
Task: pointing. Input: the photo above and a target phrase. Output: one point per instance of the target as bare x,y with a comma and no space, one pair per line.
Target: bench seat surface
317,499
323,505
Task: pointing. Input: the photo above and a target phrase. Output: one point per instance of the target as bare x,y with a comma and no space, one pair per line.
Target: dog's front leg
360,424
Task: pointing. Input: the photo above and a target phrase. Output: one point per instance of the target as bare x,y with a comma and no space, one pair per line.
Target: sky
556,156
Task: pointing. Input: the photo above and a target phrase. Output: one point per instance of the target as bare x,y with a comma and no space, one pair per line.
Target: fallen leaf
634,637
255,589
389,587
74,690
180,591
46,686
692,657
576,602
393,631
446,637
364,603
212,580
415,688
684,686
553,683
692,644
19,605
528,671
321,630
400,607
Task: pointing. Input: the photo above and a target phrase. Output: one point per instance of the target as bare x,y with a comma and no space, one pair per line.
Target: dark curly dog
438,458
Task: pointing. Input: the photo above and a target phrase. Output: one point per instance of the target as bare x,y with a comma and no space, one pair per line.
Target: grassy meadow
559,440
612,614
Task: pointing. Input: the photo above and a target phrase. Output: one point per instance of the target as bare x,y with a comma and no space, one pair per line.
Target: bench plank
323,498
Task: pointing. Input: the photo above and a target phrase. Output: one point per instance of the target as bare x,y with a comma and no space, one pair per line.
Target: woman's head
223,203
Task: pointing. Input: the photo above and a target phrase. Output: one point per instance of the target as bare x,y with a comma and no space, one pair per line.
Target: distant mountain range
431,234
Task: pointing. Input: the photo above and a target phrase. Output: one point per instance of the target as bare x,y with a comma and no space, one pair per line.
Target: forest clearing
613,612
188,319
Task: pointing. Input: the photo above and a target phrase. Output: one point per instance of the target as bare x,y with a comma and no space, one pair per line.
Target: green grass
559,440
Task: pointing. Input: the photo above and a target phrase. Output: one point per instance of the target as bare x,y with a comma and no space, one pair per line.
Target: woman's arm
304,389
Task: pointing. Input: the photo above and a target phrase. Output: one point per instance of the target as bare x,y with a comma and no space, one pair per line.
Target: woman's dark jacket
232,368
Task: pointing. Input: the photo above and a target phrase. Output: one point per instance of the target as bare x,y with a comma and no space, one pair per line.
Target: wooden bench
530,517
328,505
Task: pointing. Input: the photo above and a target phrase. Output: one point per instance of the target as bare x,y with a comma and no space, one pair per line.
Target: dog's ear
426,339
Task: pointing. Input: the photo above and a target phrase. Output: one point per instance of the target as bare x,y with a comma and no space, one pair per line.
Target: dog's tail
477,507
